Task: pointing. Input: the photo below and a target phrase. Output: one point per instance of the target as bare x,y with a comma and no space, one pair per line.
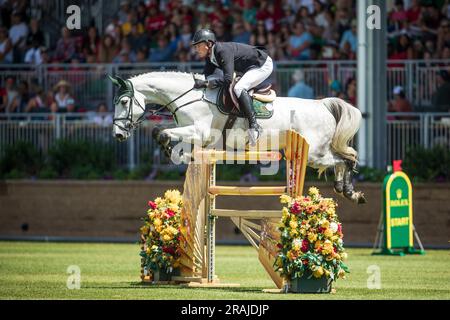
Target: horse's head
129,108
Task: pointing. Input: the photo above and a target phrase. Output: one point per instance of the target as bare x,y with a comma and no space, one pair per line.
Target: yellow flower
318,272
328,233
324,223
157,222
144,230
293,233
293,224
313,192
166,237
174,196
317,244
154,247
335,238
344,255
159,201
327,247
285,198
341,274
312,237
148,250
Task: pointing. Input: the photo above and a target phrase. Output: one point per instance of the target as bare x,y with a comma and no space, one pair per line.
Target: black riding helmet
203,35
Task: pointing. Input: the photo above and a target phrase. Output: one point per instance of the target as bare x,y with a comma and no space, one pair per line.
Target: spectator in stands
8,95
64,101
350,91
259,36
18,34
142,55
441,97
164,52
6,48
300,42
108,49
33,55
222,34
240,33
103,118
21,99
300,88
125,9
65,48
400,103
136,38
126,54
336,89
35,35
91,42
155,22
443,35
248,13
350,37
40,102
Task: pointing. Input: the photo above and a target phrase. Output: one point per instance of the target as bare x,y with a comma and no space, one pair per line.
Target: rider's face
201,49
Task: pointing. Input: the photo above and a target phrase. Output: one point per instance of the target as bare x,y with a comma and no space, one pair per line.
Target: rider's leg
249,80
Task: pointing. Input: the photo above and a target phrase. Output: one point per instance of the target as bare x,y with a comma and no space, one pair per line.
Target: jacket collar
212,58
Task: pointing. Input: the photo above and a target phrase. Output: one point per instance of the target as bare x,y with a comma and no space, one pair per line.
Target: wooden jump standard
199,210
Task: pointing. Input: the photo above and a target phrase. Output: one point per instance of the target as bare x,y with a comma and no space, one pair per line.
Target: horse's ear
114,80
122,82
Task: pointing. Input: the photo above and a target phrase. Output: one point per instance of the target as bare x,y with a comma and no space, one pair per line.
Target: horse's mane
164,74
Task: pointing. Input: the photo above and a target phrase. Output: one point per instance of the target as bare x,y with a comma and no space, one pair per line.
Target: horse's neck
164,88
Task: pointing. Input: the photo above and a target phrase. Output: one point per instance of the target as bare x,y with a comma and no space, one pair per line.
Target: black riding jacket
232,57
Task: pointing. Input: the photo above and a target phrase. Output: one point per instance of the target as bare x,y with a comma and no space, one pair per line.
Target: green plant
20,160
427,164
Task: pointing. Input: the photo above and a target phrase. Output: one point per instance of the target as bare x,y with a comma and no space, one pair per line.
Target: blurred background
56,103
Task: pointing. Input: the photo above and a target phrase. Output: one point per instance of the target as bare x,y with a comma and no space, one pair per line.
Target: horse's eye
123,102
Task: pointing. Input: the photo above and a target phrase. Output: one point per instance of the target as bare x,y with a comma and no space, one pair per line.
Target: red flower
339,228
168,250
152,205
305,262
305,245
295,209
170,213
279,246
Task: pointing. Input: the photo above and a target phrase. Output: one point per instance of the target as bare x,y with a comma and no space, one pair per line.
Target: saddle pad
263,110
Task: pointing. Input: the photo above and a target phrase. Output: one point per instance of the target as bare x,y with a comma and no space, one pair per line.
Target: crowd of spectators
160,31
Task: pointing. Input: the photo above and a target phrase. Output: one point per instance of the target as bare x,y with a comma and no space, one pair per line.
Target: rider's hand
199,84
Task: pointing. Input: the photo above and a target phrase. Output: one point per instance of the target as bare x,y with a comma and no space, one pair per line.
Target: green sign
397,216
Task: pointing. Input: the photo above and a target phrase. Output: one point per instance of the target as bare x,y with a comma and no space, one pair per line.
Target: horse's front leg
188,135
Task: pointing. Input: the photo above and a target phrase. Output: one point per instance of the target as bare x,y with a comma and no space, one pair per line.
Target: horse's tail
348,120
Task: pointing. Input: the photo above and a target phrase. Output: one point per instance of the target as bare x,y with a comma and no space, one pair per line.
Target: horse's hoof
361,198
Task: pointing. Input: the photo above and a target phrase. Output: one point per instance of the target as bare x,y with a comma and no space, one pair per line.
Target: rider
254,63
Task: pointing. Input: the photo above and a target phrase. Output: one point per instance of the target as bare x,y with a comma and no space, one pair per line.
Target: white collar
212,58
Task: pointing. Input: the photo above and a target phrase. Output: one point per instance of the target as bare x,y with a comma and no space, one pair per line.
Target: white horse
328,124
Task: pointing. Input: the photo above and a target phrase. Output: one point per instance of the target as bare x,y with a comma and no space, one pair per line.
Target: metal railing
90,85
404,130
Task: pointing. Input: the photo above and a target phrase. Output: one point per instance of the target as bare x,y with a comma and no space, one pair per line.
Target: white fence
91,86
404,130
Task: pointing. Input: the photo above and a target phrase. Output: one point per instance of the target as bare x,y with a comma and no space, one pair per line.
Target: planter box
160,275
311,285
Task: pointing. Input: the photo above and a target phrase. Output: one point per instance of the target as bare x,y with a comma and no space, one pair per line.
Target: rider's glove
199,84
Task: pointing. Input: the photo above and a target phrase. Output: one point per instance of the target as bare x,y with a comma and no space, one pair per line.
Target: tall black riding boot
246,104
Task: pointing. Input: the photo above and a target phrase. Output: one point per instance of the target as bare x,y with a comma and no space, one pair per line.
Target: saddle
262,95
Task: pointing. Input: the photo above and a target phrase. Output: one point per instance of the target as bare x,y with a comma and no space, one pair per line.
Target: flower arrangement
311,238
161,232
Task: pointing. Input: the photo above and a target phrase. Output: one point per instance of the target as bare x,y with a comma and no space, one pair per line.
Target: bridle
131,124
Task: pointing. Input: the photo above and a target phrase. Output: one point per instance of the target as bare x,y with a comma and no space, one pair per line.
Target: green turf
31,270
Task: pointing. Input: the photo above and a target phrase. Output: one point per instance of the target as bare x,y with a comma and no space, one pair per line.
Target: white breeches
254,77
